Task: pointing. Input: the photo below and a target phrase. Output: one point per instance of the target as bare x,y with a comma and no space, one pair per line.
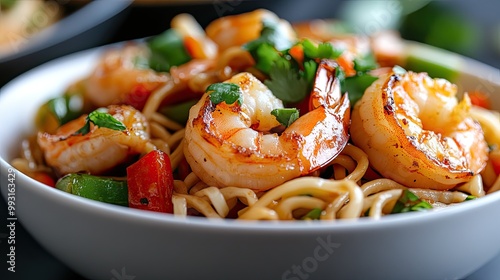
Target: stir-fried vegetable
410,202
494,158
151,183
109,190
314,214
59,110
167,50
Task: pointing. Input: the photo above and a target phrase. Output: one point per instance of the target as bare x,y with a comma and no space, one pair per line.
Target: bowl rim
283,227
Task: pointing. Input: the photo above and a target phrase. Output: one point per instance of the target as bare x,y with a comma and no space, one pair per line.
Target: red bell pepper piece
480,99
150,183
495,161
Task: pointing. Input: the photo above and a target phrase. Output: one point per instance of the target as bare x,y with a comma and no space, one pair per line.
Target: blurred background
471,28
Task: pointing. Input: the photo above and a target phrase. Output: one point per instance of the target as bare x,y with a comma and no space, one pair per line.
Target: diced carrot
347,65
297,52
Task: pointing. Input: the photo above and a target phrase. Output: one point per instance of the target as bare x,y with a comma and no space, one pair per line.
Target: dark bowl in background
90,25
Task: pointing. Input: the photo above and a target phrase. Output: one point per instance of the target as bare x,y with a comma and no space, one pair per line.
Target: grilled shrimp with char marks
416,132
99,150
233,145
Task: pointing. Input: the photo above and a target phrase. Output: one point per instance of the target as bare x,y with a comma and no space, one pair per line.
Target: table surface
33,262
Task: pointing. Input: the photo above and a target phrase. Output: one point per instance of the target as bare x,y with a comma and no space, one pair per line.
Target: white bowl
102,241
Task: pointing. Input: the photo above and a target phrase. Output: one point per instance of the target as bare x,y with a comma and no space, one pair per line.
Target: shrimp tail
331,109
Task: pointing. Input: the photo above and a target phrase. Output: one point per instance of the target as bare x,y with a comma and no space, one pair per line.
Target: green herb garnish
365,63
286,116
225,92
470,197
100,119
410,202
356,86
314,214
265,56
322,50
286,82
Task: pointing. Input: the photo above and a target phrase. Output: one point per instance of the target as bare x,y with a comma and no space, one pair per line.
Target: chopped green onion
470,197
410,202
323,50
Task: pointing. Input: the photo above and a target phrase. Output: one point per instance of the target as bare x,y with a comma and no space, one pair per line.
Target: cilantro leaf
356,86
286,83
225,92
265,56
84,129
100,119
322,50
286,116
410,202
365,63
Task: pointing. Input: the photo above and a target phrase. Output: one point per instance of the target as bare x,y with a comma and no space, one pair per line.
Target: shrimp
99,150
233,145
236,30
117,80
416,132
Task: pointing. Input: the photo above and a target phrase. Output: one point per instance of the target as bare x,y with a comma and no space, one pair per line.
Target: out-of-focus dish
174,246
33,32
20,20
